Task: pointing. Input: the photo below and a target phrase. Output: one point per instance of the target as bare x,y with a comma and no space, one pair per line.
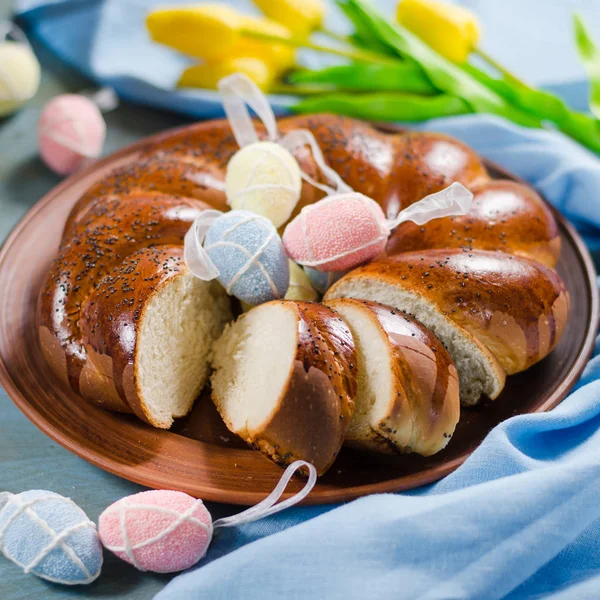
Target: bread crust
424,405
515,307
312,414
110,325
505,216
99,249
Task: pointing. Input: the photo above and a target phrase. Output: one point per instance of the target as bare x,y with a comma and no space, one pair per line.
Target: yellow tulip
207,75
301,17
280,56
209,31
215,32
452,31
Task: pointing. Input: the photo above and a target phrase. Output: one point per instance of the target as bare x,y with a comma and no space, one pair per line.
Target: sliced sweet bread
496,314
407,398
285,377
153,359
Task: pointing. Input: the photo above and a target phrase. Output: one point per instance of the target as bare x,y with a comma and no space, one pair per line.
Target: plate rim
325,496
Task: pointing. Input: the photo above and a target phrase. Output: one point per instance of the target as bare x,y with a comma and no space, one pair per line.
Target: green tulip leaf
589,55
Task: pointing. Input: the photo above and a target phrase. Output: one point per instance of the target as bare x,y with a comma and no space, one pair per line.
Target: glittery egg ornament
71,132
50,536
166,531
300,287
349,229
264,178
19,75
161,531
242,250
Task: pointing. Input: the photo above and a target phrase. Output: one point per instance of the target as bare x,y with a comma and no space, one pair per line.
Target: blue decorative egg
247,251
50,536
321,280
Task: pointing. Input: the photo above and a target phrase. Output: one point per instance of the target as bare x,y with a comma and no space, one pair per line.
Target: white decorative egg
19,75
264,178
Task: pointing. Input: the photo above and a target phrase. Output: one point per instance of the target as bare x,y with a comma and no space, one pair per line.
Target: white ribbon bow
268,506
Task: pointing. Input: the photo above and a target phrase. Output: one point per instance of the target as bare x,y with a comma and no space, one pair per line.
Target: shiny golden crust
506,216
324,375
423,408
312,412
109,325
96,249
150,204
514,306
426,163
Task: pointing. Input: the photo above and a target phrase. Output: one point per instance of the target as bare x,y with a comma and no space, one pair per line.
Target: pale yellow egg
300,287
264,178
19,76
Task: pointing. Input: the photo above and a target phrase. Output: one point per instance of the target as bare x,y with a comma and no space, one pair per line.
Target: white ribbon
268,506
237,90
194,254
454,200
8,30
302,137
105,98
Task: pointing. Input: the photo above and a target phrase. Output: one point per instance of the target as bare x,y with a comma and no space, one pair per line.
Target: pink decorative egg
161,531
71,132
337,233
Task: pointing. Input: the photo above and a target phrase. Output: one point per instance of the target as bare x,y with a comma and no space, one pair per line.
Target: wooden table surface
28,459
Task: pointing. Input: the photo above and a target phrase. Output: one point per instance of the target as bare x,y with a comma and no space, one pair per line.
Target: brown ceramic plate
199,455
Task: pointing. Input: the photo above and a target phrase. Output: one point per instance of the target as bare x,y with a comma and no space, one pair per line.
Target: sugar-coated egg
248,253
264,178
19,76
71,131
159,530
300,287
337,233
50,536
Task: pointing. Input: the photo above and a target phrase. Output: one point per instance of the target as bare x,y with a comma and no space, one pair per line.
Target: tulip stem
335,36
496,65
299,90
351,53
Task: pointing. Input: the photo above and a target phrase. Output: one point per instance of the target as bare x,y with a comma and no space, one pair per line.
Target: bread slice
285,381
153,359
407,398
479,371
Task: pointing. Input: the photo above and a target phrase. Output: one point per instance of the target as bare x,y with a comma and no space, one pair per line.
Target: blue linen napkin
520,519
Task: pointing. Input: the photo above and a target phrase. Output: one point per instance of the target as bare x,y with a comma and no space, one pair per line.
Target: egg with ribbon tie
349,229
242,250
48,535
159,530
166,531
